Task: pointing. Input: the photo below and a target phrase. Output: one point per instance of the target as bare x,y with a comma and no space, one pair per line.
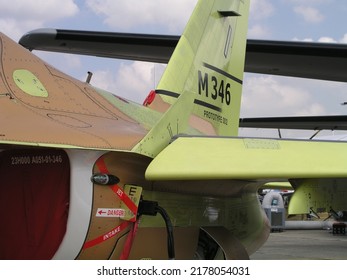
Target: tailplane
202,84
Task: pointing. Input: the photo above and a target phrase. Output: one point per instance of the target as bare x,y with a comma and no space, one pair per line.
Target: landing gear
207,248
219,243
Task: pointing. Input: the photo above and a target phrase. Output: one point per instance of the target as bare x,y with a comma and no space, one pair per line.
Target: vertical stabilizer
202,83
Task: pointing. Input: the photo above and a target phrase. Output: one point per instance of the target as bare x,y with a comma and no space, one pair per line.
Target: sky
263,95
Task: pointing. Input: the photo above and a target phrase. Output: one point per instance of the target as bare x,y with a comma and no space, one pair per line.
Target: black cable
151,208
169,228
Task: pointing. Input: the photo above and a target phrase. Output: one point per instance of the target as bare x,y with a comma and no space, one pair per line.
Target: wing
324,61
309,123
142,47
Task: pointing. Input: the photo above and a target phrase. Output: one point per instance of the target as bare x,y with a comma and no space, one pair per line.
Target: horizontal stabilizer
204,158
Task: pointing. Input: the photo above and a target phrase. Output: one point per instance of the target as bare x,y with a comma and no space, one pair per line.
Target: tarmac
317,244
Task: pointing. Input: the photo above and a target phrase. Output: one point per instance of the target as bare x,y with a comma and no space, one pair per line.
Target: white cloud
12,29
132,81
326,40
268,96
18,16
314,109
133,13
344,39
309,14
62,61
42,10
258,31
303,40
311,2
260,9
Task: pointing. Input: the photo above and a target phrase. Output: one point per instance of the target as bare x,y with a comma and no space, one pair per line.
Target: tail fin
203,79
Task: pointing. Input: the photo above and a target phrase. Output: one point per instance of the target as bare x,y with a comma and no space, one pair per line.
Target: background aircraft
206,184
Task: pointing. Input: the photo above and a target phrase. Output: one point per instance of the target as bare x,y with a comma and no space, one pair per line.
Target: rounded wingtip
34,38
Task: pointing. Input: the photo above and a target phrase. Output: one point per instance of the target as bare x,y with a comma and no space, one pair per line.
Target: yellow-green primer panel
29,83
202,158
